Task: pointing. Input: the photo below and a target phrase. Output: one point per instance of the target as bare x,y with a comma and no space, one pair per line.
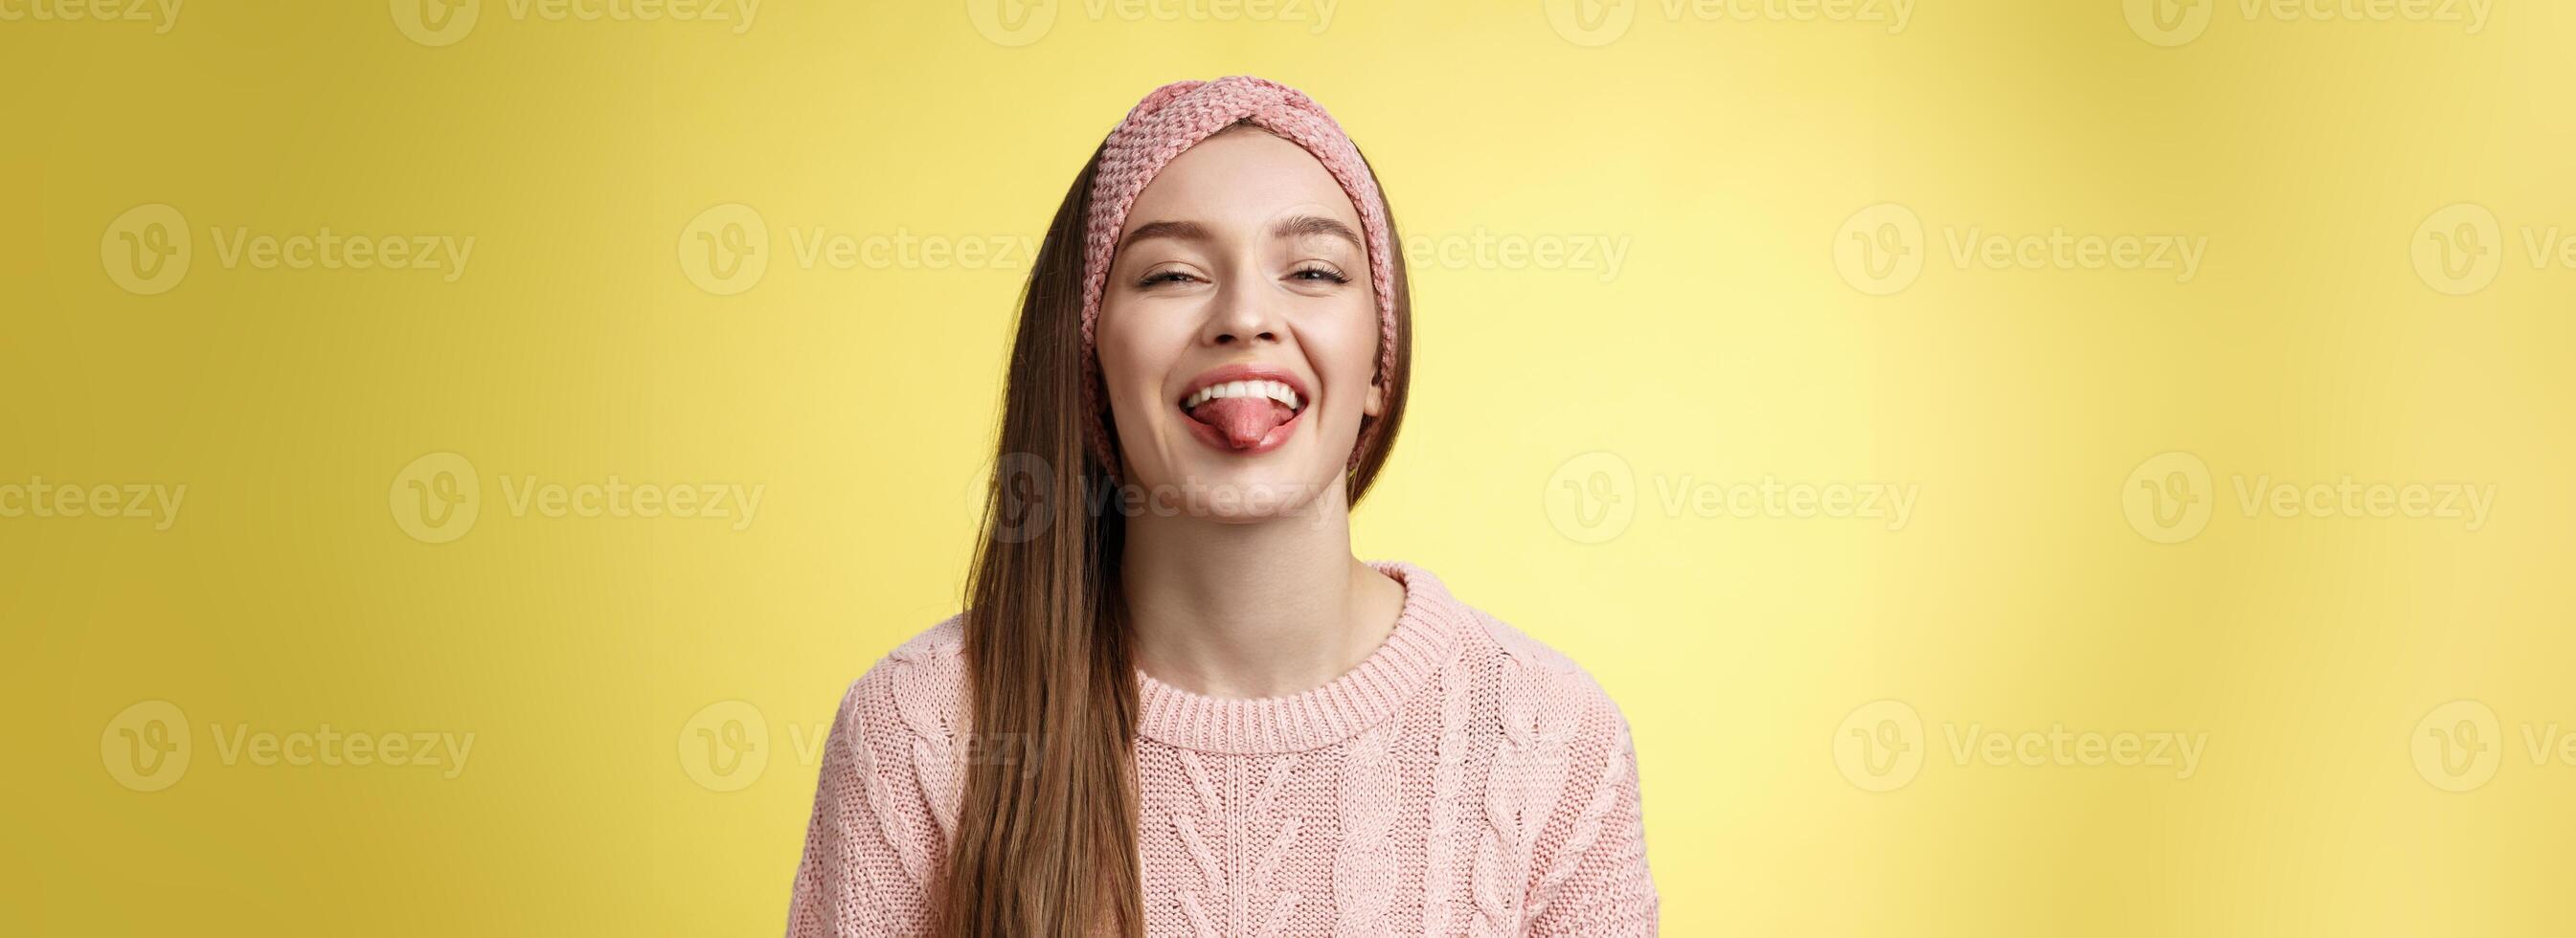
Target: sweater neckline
1424,635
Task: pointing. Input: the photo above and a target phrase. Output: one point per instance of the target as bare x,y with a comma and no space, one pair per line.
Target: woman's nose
1244,314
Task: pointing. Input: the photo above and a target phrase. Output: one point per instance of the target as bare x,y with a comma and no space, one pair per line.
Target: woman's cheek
1134,362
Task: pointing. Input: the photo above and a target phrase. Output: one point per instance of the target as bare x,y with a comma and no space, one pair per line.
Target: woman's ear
1376,405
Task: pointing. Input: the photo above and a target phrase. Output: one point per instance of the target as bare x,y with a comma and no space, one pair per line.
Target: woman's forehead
1242,179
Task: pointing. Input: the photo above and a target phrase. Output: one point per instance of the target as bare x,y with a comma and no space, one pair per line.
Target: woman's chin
1233,490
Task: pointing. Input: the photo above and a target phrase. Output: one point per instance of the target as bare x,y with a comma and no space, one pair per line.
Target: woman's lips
1245,409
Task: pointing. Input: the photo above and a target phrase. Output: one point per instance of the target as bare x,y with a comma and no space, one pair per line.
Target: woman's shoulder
1531,677
920,685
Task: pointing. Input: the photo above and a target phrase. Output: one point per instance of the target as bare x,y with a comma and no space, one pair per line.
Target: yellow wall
1799,202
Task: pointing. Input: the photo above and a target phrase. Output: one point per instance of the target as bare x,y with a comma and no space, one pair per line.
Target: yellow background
1726,152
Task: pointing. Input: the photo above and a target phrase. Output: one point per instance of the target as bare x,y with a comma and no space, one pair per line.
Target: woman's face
1238,331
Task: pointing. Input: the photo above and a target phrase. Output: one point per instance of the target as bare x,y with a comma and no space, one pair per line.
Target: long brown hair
1049,850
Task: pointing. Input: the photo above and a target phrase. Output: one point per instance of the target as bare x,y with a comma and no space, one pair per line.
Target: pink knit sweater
1463,780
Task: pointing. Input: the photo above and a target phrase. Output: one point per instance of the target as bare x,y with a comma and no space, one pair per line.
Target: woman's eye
1161,277
1318,273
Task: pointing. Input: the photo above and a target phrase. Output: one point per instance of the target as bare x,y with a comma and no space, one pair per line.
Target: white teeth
1274,390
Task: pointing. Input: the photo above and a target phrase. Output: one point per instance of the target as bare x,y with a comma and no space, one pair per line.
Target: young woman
1176,703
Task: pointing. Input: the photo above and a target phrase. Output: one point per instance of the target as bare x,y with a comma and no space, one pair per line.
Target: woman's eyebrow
1305,226
1183,230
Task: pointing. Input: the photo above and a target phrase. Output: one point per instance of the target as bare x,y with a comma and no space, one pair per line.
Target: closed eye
1160,277
1314,273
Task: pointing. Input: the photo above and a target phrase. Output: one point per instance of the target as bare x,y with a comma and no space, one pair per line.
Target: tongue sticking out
1245,420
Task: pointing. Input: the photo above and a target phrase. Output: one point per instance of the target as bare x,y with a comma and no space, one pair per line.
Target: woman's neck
1259,609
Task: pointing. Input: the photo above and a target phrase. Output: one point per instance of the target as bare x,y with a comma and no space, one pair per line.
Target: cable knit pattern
1364,862
1462,780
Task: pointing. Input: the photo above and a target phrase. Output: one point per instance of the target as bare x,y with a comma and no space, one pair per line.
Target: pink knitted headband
1176,117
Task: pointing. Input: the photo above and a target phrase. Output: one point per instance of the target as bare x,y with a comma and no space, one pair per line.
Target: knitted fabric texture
1463,780
1176,117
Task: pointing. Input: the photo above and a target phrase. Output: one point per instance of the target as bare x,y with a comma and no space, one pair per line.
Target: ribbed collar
1426,633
